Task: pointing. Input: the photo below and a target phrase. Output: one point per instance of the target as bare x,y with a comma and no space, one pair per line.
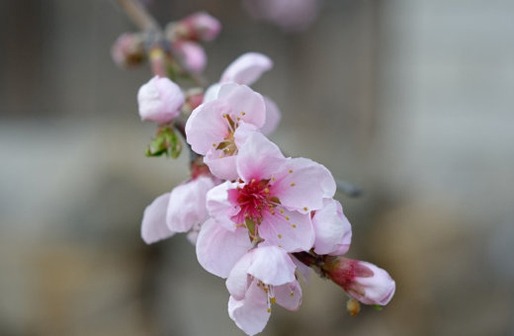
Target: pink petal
238,280
250,314
289,295
273,117
247,69
223,167
258,157
218,249
272,265
206,126
219,206
333,230
304,184
154,226
245,104
211,93
289,230
186,206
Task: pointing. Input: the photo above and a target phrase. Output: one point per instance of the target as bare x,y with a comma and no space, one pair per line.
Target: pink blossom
212,126
160,100
363,281
290,15
273,196
263,276
333,230
247,69
192,56
181,210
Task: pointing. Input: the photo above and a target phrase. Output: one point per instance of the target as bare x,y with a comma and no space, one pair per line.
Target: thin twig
139,15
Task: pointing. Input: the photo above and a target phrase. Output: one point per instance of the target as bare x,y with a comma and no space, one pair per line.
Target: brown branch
139,15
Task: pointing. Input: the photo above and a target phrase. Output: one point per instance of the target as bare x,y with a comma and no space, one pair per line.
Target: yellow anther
292,184
293,226
290,171
305,209
279,236
287,218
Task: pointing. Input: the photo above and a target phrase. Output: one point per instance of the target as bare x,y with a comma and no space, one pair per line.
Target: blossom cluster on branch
259,219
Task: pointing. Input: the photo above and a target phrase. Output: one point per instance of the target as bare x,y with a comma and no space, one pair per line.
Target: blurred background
412,100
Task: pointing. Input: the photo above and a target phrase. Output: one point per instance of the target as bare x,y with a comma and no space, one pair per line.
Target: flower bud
128,50
199,26
192,56
160,100
363,281
203,26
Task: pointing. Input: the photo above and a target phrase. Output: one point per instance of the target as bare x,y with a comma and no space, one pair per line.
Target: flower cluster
257,217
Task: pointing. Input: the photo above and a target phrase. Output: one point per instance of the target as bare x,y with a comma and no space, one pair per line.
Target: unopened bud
128,50
363,281
199,26
192,56
160,100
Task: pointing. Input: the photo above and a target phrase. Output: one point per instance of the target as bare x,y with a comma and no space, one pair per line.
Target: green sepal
377,307
166,142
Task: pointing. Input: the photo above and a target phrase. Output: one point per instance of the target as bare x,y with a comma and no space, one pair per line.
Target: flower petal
250,314
289,295
333,230
289,230
154,226
247,68
238,280
219,206
258,157
272,265
186,205
218,249
304,184
245,104
206,126
273,116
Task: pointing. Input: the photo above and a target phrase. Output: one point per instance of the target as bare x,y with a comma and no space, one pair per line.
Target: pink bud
159,100
202,26
192,56
128,50
361,280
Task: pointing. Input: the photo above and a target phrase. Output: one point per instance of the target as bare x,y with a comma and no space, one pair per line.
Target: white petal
272,265
247,69
289,295
333,230
186,206
218,249
154,226
250,314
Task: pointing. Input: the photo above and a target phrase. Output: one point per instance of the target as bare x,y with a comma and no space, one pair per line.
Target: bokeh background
412,100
